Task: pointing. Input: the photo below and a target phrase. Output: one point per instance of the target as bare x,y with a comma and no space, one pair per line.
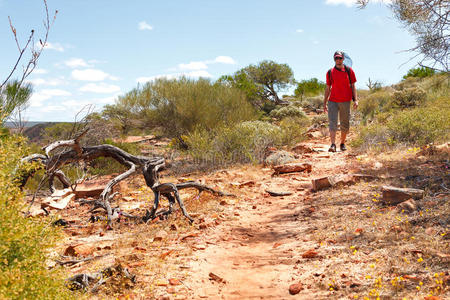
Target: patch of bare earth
343,242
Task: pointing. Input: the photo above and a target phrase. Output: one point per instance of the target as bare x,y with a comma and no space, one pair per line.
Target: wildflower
372,265
420,259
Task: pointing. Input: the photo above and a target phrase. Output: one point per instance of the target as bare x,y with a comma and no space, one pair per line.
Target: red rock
160,235
295,288
301,148
165,254
174,281
136,264
408,205
432,298
79,250
216,278
430,231
310,254
247,183
412,278
141,249
292,167
203,226
277,244
394,195
91,188
190,235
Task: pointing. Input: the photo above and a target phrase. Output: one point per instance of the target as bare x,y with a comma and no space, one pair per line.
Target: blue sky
101,49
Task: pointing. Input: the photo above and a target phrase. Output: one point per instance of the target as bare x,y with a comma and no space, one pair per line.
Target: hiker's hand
325,109
355,104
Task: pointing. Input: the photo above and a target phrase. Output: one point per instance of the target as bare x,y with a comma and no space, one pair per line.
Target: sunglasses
338,58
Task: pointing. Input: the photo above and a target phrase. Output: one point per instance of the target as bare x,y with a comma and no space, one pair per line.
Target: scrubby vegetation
24,241
414,112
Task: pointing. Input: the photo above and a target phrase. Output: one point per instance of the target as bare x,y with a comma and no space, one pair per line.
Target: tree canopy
310,87
262,82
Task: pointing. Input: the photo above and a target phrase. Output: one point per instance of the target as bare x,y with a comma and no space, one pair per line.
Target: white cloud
299,31
350,3
101,88
224,60
76,63
200,73
50,82
203,65
40,71
92,75
54,46
38,97
193,65
144,26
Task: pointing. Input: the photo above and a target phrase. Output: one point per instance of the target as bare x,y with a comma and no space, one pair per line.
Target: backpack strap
347,69
329,76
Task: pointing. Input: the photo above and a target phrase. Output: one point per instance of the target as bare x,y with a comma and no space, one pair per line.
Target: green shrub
415,127
420,72
241,143
320,120
420,126
374,103
293,130
313,103
179,106
409,97
23,241
287,111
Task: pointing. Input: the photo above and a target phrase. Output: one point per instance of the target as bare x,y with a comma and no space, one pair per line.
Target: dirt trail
258,251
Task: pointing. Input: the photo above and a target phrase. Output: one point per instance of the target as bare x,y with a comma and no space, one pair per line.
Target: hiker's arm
355,97
325,98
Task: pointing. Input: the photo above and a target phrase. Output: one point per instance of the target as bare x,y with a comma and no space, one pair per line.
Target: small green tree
308,88
14,97
272,77
240,80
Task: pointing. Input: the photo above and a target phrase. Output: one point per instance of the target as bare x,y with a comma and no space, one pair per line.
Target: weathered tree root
92,282
149,166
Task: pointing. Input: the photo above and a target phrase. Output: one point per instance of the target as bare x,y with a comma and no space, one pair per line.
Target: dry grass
383,251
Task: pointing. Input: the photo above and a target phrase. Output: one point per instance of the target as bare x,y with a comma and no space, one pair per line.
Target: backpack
347,70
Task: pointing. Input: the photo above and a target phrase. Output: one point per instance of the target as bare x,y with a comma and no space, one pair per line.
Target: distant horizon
10,124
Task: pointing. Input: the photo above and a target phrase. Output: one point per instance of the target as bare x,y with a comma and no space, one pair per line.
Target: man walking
339,92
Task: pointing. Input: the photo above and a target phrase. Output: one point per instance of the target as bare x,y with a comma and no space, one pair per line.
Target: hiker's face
339,60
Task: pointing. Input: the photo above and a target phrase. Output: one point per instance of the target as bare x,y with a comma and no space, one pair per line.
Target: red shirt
341,90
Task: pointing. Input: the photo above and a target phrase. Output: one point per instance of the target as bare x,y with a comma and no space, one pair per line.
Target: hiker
339,92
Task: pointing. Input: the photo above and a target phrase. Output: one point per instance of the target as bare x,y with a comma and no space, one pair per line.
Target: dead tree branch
148,166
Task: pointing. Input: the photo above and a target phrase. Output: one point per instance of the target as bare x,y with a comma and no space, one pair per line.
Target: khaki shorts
343,110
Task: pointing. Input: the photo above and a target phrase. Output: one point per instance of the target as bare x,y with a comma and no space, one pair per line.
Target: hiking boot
343,148
332,148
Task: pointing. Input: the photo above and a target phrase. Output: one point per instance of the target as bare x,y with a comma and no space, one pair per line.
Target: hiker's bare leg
333,137
343,137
